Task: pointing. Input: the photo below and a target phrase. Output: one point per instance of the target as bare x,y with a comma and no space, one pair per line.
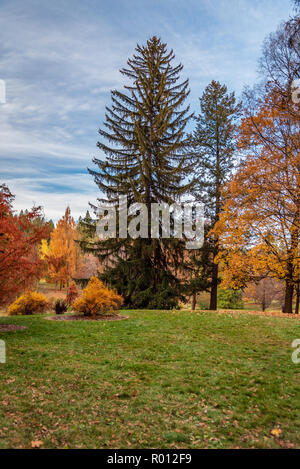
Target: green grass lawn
156,380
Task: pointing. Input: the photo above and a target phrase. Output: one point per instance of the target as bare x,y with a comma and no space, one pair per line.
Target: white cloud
28,193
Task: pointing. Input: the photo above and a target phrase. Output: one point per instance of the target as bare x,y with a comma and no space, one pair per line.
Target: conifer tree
86,226
145,145
213,150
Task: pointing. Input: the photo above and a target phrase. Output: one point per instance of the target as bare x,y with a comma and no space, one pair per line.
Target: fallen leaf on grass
36,444
276,432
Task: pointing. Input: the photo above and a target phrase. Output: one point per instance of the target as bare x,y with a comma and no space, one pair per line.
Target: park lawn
156,380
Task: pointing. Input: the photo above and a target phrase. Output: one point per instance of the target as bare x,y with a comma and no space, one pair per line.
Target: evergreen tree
86,226
213,150
51,225
145,145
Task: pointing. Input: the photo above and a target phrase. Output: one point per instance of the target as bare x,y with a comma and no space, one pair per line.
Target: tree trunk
215,268
263,304
297,299
214,287
194,301
288,299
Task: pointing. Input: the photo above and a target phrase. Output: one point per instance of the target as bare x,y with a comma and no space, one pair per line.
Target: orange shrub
97,299
29,303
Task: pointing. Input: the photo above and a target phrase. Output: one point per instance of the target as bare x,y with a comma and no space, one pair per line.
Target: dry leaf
36,444
276,432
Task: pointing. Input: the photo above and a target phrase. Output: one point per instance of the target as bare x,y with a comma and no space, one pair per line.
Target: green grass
156,380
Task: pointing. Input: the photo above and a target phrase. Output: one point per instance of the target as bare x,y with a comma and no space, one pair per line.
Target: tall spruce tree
145,145
214,147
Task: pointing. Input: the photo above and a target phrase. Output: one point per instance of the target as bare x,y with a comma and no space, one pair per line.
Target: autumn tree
63,254
280,69
260,225
214,147
280,65
20,235
145,147
43,249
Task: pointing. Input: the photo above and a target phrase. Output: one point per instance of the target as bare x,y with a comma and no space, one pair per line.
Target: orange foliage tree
63,253
260,225
20,235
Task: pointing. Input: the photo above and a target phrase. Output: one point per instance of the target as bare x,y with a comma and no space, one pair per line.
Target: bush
29,303
97,299
60,306
230,299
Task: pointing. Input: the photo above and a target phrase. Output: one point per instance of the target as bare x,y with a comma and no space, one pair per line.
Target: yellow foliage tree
44,249
63,254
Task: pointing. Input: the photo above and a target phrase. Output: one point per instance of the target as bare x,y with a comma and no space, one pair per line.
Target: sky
61,59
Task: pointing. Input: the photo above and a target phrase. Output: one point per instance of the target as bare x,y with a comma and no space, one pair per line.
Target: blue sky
60,59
